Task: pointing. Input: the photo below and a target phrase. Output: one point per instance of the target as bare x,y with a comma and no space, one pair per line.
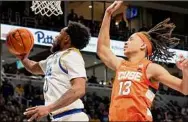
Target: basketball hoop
47,8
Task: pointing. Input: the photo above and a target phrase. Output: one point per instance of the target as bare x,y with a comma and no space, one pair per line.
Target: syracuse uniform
132,93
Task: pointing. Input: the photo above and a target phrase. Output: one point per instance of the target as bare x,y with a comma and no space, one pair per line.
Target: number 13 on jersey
124,87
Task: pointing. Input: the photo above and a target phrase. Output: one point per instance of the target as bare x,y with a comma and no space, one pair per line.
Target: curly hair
79,34
161,40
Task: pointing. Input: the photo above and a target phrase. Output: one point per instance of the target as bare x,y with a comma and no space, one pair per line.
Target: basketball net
47,8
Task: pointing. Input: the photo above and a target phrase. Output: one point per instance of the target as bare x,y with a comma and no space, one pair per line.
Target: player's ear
143,46
67,38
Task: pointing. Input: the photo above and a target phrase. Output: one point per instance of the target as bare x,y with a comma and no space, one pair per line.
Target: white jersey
59,69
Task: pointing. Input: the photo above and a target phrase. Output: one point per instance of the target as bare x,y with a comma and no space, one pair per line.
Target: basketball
20,41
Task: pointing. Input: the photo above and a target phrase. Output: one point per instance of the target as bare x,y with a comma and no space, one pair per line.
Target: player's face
59,41
133,45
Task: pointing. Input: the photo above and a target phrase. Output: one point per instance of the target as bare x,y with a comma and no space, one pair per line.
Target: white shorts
81,116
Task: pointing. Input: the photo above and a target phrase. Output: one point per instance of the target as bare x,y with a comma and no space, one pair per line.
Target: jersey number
124,87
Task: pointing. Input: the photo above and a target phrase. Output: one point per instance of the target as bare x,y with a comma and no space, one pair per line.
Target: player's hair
161,40
79,34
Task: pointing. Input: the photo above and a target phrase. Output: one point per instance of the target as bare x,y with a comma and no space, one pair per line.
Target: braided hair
162,40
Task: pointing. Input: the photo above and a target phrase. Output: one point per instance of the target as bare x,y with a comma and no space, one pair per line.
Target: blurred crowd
169,112
96,107
15,98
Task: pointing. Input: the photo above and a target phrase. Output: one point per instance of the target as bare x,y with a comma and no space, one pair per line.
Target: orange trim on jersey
147,42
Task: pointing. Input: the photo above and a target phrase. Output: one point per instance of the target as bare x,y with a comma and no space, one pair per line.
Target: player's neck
135,58
65,47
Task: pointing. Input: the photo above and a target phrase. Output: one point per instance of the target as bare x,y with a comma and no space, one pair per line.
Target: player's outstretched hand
37,112
22,56
114,6
182,64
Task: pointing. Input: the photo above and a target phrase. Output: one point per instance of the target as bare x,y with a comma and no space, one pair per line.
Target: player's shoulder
154,69
72,53
50,56
153,66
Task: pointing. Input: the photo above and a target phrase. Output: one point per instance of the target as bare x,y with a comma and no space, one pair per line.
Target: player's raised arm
32,66
103,46
162,75
19,43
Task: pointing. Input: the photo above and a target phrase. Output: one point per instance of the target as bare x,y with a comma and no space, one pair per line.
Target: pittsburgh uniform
59,69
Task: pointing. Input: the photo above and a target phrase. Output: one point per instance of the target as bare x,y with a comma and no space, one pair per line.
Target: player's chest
130,73
52,65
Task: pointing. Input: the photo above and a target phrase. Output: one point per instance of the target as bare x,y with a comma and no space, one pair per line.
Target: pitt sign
41,37
46,38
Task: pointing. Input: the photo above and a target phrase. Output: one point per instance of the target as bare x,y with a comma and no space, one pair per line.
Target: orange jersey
132,93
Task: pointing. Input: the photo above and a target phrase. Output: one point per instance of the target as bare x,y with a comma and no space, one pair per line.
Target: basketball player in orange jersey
137,78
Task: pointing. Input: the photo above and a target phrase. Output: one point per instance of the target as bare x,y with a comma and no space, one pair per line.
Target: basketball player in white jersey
65,76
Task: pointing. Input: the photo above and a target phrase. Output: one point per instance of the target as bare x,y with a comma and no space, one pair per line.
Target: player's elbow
79,92
78,87
100,51
99,47
99,55
82,92
35,72
183,89
36,69
185,92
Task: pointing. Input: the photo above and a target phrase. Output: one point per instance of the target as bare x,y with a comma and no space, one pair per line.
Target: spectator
19,90
7,90
144,28
28,90
19,93
72,16
81,20
122,24
95,119
93,79
2,101
133,31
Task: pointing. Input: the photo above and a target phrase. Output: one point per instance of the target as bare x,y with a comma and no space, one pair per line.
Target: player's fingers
117,4
39,117
33,117
185,63
181,58
32,108
31,112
